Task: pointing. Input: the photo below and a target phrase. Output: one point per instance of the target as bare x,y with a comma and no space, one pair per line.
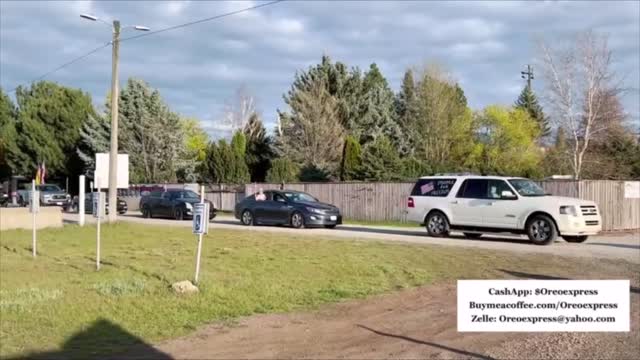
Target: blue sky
484,44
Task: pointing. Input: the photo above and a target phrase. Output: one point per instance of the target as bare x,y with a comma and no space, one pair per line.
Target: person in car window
260,196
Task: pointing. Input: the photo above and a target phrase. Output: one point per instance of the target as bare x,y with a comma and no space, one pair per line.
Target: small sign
632,189
200,218
34,201
98,204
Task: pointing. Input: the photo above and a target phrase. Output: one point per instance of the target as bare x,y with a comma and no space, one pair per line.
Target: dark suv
177,204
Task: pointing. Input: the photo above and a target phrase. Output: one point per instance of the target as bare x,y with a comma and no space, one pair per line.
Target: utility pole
113,153
528,75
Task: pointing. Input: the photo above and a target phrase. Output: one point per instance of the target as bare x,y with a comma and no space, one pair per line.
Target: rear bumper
322,220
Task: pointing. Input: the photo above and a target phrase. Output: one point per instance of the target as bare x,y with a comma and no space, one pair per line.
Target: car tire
297,220
246,218
541,230
472,235
178,214
575,239
437,224
146,213
122,212
330,226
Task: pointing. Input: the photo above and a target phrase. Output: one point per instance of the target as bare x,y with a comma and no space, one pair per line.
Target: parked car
50,195
481,204
175,203
294,208
88,204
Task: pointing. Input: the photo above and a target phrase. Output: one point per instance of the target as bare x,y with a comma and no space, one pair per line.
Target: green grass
58,302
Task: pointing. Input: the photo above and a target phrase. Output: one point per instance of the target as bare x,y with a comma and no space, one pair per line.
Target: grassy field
58,302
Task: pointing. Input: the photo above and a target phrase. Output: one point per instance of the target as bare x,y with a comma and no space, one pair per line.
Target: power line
150,33
201,20
66,64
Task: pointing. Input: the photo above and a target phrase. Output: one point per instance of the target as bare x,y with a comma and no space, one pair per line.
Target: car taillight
410,203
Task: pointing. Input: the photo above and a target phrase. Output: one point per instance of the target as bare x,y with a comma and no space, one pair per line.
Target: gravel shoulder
624,246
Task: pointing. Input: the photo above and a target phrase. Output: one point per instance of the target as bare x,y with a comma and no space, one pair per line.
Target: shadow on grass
633,289
438,346
102,340
624,246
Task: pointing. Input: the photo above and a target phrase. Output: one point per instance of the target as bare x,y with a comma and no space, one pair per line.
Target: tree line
341,124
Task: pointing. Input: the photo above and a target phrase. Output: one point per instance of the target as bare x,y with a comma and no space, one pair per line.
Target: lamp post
113,151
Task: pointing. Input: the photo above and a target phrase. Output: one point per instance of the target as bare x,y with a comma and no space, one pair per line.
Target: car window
279,198
155,194
496,187
300,197
268,195
433,187
174,195
49,188
473,189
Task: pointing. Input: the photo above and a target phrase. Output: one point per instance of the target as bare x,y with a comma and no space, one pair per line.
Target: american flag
426,188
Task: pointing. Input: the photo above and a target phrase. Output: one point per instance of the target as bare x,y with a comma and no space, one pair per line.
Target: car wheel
472,235
437,224
297,220
247,218
575,239
178,214
330,226
146,212
541,230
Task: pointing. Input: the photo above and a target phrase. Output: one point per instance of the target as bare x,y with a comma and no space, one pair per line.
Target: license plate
334,218
58,203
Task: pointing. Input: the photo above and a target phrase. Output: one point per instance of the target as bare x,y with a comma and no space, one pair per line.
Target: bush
282,171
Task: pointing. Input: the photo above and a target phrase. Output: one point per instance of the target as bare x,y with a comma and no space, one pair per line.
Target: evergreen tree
529,101
380,161
94,138
282,171
406,106
9,151
239,147
413,168
351,160
259,149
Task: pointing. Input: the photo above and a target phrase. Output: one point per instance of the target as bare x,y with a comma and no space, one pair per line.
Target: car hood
318,205
53,193
564,200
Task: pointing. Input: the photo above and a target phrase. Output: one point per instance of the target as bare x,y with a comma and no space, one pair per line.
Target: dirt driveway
624,246
418,323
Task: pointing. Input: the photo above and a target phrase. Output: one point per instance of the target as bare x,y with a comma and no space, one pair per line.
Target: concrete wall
21,218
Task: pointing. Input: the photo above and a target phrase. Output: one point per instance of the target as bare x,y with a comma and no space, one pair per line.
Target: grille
589,210
58,197
591,222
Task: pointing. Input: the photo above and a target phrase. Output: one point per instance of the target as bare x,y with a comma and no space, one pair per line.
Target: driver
260,196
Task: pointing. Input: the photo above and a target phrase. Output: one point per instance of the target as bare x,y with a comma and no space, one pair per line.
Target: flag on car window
426,188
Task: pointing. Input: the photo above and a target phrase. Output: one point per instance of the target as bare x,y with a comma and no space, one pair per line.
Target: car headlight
568,210
315,211
189,206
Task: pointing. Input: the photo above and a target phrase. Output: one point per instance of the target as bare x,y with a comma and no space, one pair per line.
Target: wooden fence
387,201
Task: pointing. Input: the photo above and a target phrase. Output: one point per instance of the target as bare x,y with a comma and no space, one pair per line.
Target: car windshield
526,187
188,195
48,188
300,197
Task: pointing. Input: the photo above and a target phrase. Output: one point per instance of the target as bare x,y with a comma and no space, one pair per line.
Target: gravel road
625,246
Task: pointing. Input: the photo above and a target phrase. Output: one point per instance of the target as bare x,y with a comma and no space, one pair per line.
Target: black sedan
174,203
88,204
285,207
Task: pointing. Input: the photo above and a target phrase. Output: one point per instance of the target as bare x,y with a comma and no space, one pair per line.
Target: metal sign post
98,212
200,226
34,207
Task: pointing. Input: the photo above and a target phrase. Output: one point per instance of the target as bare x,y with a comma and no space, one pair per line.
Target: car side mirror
507,195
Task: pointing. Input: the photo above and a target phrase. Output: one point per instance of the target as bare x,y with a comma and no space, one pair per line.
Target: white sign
34,201
200,218
98,204
102,170
543,305
632,189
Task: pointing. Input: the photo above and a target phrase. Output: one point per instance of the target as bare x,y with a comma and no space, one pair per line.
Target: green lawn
58,302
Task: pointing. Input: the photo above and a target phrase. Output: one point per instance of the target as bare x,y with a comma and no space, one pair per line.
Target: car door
501,211
469,203
263,208
164,204
280,209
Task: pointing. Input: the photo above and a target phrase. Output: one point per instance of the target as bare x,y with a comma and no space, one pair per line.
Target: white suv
479,204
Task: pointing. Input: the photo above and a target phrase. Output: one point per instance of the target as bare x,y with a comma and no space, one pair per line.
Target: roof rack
458,174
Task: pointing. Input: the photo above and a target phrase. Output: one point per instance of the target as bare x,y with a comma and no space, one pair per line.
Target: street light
113,151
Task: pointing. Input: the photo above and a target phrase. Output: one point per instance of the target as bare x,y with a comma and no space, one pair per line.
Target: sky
485,45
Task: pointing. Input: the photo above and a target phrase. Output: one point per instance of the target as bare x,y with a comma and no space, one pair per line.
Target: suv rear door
470,203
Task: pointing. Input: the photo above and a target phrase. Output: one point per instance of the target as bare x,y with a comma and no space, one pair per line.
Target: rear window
433,187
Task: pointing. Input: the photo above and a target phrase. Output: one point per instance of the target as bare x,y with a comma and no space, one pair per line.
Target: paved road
612,246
